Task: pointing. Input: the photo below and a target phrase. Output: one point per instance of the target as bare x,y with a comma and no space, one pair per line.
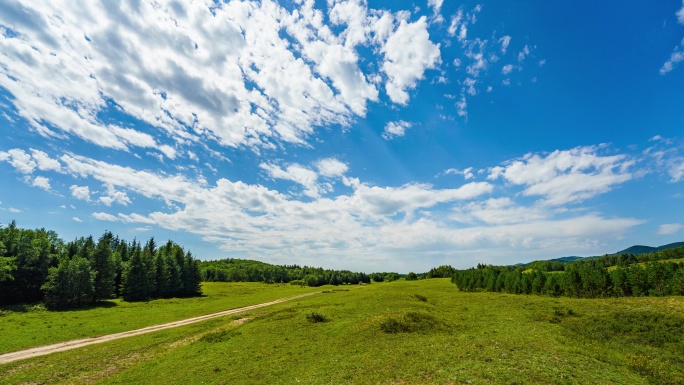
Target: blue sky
347,134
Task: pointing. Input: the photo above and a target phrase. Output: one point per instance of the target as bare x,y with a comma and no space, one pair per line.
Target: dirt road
74,344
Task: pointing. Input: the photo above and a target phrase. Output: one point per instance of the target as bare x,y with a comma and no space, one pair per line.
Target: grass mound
411,322
420,298
636,327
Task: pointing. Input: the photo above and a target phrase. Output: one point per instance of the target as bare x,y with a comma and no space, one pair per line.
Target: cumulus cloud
394,129
569,176
80,192
20,160
41,182
298,174
77,219
368,225
44,162
236,73
408,53
331,167
114,196
104,216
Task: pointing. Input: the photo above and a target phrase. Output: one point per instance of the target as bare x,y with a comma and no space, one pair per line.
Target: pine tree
135,280
69,285
103,265
192,276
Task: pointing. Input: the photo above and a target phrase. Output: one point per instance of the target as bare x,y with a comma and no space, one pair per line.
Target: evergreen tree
192,277
103,265
163,277
69,285
135,285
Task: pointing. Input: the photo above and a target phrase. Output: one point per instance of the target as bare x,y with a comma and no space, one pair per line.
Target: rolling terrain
410,332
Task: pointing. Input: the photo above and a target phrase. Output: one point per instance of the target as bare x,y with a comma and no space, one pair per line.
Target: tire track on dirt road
74,344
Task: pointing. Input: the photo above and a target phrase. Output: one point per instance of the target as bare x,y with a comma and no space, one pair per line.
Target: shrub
315,317
411,322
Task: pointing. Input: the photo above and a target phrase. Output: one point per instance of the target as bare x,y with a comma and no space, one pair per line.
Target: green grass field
418,332
28,326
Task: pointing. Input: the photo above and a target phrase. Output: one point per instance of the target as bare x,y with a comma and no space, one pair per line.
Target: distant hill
565,259
636,249
639,249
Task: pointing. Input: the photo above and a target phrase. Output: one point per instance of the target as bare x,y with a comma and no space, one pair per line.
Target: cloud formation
369,222
569,176
236,73
678,54
395,129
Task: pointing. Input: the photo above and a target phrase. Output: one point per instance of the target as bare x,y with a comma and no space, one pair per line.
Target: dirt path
74,344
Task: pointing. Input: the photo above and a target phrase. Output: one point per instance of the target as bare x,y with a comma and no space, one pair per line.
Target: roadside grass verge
453,338
26,326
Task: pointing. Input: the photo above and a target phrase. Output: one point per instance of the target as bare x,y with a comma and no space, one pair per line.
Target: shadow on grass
39,306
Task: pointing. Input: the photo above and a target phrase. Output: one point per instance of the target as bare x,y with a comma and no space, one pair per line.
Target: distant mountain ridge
639,249
636,249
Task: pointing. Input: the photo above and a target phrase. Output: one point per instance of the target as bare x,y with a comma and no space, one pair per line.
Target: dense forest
241,270
624,275
36,265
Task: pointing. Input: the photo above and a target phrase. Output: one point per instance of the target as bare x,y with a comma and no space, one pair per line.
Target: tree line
36,265
241,270
631,275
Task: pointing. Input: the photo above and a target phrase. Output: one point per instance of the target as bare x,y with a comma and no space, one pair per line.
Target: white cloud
298,174
676,57
524,53
104,217
669,228
408,53
455,22
114,196
668,157
570,176
507,69
467,172
394,129
368,225
41,182
500,211
20,160
505,41
44,162
238,73
14,210
476,52
331,167
80,192
77,219
436,6
462,106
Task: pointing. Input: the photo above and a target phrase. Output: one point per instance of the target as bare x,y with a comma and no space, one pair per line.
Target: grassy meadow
27,326
418,332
